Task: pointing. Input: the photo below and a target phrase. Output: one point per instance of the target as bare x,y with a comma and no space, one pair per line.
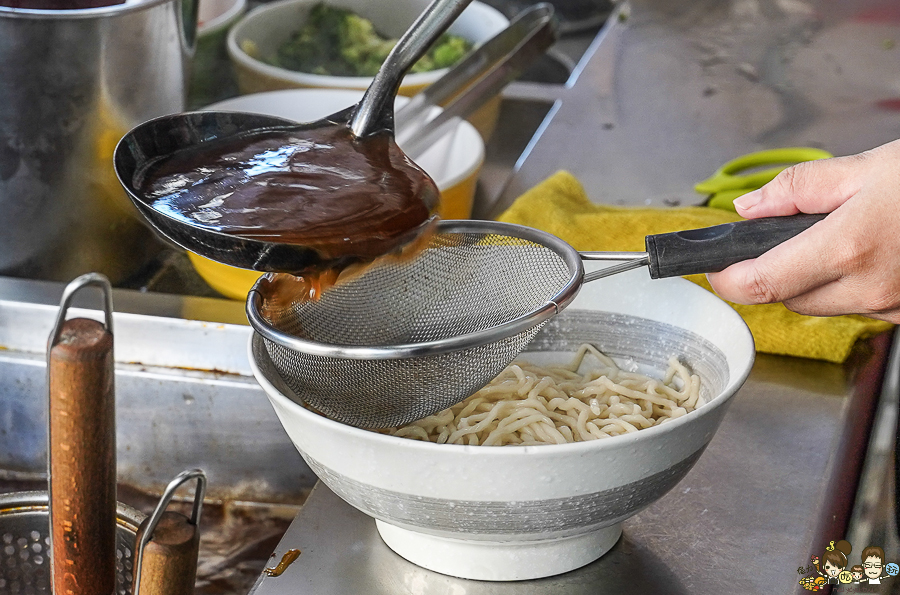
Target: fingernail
748,201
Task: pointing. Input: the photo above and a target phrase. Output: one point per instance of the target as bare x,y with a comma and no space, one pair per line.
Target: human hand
848,263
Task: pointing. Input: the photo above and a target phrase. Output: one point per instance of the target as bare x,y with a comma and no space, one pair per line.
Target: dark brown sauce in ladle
318,186
308,199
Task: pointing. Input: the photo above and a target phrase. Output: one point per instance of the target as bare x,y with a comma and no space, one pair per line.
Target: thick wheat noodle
528,404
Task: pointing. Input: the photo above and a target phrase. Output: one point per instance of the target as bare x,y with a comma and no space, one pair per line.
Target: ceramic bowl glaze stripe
542,519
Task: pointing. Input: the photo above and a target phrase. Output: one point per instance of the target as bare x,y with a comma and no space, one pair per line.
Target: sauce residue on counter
319,187
286,560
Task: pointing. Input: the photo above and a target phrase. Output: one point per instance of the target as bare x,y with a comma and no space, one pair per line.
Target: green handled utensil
728,182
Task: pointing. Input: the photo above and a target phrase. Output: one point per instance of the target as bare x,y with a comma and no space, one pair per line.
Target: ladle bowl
155,141
162,136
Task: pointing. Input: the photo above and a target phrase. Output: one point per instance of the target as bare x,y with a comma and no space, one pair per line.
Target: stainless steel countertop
672,89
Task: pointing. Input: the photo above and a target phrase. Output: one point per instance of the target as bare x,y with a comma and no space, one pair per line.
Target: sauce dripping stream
281,292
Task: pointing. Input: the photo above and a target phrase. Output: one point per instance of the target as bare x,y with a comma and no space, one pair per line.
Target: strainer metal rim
550,308
127,517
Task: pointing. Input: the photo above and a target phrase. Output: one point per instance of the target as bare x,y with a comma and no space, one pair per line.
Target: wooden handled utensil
168,544
82,448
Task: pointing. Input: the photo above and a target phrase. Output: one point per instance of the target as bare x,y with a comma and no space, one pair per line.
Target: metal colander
25,544
406,339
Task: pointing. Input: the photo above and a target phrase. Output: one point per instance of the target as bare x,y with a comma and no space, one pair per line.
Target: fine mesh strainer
406,339
25,544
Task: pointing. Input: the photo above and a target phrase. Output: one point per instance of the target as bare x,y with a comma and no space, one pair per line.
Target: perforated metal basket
406,339
25,544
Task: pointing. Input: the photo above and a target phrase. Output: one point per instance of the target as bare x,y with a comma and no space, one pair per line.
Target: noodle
528,404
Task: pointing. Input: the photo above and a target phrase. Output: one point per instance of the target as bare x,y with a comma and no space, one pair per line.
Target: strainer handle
715,248
705,250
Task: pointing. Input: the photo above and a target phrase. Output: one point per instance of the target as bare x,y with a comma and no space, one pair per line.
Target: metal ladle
153,141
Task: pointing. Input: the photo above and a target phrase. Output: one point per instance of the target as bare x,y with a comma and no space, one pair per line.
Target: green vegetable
338,42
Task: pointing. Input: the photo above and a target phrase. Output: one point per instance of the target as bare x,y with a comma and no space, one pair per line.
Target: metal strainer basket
25,544
407,339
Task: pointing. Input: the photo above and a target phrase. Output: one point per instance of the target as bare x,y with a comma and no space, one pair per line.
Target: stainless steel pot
73,83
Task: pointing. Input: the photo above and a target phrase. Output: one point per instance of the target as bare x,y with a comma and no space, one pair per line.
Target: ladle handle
377,102
511,50
82,450
713,249
483,75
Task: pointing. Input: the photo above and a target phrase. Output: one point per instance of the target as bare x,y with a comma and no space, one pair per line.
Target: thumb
810,187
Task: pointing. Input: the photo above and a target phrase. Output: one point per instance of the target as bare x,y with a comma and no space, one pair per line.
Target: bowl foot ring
493,561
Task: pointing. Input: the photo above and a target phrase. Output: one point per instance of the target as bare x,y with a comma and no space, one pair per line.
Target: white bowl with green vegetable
341,43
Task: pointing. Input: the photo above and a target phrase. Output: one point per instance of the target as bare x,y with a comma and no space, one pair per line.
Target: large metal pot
73,83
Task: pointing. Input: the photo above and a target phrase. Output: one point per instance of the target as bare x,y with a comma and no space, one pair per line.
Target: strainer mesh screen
462,283
25,554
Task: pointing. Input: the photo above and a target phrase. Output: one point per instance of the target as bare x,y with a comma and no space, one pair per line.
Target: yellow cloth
559,205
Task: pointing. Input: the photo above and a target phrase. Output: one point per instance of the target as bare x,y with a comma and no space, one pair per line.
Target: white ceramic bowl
453,161
270,25
515,512
218,15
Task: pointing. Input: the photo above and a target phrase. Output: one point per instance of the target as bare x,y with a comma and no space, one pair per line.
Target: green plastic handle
728,177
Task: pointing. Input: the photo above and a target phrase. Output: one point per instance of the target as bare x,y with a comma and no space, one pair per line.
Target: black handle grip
713,249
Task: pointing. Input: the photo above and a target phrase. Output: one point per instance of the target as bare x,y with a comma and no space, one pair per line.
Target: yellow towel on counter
559,205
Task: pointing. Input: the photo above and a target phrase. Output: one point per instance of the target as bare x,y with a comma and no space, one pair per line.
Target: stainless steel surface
742,520
634,263
873,521
576,16
74,81
25,556
671,90
185,395
376,109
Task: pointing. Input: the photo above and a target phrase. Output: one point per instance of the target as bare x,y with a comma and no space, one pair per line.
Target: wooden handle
82,459
169,561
